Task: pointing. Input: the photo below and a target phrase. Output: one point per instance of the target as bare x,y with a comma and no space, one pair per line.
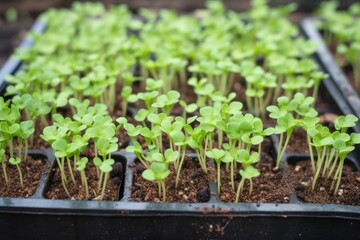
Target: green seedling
127,97
217,155
249,172
16,162
80,166
105,168
158,172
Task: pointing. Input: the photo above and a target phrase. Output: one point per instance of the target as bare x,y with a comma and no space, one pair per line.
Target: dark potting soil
301,176
33,169
298,142
270,187
193,185
55,189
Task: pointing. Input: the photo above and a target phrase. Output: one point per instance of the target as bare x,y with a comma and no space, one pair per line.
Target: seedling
249,172
158,172
80,166
289,115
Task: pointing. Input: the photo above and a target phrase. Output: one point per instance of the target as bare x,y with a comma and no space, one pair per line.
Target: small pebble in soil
297,168
322,189
358,179
340,192
286,199
304,184
181,193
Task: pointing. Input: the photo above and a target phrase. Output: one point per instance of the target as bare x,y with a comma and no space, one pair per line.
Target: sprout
158,172
80,166
127,97
105,168
248,172
217,155
16,162
289,115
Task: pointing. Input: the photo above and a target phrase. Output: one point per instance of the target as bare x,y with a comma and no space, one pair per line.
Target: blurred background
17,16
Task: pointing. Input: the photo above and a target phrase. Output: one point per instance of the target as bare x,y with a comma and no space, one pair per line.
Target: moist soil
55,189
33,169
298,142
271,186
193,184
348,193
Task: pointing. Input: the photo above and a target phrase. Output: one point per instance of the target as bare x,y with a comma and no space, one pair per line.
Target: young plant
80,166
249,172
289,115
217,155
158,171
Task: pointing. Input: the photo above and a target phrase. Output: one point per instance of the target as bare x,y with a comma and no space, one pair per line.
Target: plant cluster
149,61
341,31
14,133
69,138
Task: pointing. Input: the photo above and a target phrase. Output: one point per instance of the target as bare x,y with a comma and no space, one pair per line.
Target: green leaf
249,172
15,161
149,175
97,161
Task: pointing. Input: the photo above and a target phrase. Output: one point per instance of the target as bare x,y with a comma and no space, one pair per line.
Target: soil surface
193,185
270,187
32,171
77,191
298,142
348,193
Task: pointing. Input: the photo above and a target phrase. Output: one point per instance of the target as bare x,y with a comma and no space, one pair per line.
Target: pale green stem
104,186
319,164
239,190
5,172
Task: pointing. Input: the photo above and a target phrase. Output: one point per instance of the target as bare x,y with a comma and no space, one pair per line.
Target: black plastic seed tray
326,60
41,218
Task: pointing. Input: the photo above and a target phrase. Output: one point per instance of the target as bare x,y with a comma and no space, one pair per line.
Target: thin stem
251,186
104,186
232,175
239,190
180,165
100,181
288,135
164,191
26,150
159,189
5,172
311,153
319,164
11,148
218,176
84,180
333,166
339,175
279,149
20,176
70,170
